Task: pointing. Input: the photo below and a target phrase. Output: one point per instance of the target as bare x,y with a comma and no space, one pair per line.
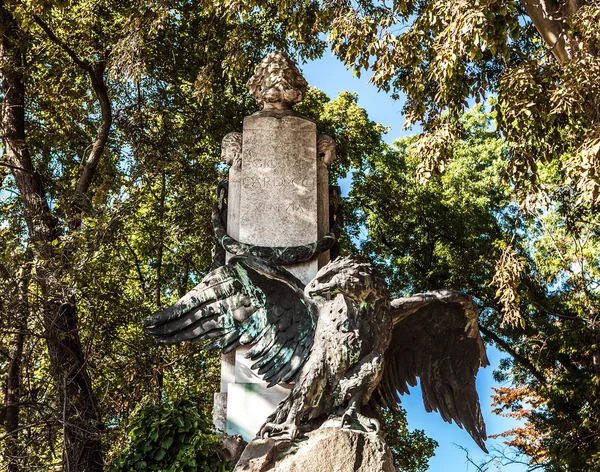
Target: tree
557,298
119,116
64,346
424,237
411,449
452,233
75,78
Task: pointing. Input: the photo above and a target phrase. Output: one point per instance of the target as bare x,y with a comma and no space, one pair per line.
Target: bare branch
515,355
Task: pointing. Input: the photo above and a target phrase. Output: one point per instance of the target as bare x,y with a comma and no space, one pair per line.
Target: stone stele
279,205
278,196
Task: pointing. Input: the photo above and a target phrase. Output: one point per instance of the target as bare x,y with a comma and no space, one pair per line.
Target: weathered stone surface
231,152
234,446
261,454
278,204
220,411
327,449
277,83
328,149
249,404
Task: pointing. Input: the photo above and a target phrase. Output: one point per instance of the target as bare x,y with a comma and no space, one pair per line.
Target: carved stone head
277,83
231,149
326,149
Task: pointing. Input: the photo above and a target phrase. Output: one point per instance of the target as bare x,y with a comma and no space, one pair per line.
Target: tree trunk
13,377
552,19
82,449
13,385
158,285
79,414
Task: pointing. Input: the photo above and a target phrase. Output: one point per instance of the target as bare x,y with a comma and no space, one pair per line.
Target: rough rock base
233,446
327,449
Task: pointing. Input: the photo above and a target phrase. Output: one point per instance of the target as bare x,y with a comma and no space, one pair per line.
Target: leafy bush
170,437
411,449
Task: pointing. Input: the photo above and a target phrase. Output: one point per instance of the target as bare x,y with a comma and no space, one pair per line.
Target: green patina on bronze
340,339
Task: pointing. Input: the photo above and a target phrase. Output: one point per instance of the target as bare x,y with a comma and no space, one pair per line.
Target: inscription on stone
277,208
279,205
277,182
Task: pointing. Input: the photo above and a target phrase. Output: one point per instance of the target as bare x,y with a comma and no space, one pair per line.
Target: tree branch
97,79
96,74
551,19
59,42
515,355
10,166
137,265
41,223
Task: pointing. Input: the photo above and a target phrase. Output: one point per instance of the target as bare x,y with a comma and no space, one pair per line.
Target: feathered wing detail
247,301
436,338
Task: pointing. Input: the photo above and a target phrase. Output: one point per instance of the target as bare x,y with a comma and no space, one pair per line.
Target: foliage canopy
112,115
540,306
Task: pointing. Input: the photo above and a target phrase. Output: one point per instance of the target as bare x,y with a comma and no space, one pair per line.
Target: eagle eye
326,278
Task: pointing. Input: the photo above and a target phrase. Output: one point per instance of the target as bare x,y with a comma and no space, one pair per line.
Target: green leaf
166,442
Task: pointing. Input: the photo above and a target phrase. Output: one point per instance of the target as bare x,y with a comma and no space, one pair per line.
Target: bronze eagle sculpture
343,343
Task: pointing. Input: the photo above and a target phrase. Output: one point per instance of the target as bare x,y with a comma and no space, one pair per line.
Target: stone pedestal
278,197
249,402
327,449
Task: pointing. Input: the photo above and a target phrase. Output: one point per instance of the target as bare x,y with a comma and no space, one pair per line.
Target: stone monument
278,195
313,348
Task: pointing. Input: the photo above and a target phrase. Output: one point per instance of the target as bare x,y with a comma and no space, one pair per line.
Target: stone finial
326,149
231,149
277,83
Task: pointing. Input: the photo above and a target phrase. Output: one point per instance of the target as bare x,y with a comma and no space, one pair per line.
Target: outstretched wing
436,338
247,301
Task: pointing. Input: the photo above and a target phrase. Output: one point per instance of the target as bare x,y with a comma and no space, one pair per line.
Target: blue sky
331,77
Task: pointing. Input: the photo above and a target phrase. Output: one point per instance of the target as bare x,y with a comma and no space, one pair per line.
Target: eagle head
357,280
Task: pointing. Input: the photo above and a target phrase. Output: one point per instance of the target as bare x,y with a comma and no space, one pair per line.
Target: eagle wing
247,301
436,338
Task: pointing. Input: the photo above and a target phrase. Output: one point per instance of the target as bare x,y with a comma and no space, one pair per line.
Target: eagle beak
320,290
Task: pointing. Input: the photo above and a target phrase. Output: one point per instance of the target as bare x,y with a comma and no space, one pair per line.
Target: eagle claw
355,420
279,431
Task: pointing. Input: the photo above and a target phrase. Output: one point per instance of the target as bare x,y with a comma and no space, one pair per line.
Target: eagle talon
279,431
348,416
355,420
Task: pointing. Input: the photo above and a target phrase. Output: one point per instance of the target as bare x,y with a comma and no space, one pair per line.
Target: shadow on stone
233,446
327,449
